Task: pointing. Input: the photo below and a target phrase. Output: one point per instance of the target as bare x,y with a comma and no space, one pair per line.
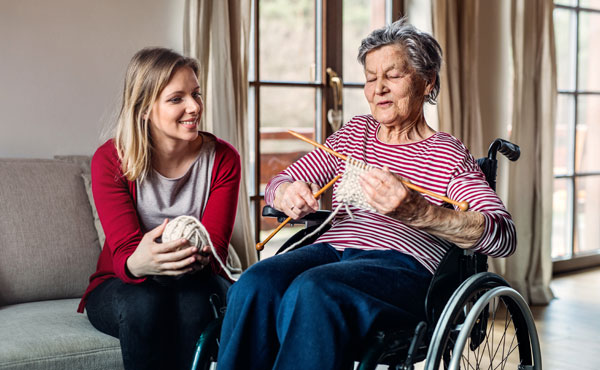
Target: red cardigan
115,199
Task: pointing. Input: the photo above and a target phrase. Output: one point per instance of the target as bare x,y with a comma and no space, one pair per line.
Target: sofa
49,246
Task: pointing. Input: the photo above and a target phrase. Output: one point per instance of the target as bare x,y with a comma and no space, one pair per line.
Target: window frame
328,34
573,261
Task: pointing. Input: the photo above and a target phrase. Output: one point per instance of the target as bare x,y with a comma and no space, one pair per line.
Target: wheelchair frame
461,307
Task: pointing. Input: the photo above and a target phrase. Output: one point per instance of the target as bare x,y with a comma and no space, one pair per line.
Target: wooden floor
569,327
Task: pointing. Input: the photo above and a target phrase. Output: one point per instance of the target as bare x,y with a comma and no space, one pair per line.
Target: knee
144,311
256,282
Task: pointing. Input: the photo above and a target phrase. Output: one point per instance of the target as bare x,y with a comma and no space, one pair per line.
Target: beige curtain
528,106
216,32
529,195
455,26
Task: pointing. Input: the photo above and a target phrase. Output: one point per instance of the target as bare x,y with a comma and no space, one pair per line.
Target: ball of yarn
187,227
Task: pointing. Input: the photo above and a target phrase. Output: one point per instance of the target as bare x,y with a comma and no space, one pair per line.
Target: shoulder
448,143
358,124
105,154
355,129
222,147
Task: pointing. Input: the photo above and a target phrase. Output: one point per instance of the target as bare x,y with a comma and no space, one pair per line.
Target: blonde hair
148,73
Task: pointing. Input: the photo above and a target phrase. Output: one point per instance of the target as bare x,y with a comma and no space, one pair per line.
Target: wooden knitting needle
463,206
261,245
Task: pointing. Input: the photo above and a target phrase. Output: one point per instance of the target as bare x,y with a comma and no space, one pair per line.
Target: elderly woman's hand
296,199
389,196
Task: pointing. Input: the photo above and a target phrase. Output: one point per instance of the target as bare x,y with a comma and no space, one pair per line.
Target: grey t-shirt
160,197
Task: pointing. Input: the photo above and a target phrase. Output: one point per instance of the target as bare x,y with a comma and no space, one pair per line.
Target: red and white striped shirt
440,163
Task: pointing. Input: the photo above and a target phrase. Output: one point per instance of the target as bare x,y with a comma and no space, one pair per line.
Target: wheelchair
474,319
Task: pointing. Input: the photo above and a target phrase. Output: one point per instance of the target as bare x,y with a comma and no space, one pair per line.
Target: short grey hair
422,50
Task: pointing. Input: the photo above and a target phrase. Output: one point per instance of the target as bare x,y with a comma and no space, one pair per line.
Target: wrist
130,269
279,192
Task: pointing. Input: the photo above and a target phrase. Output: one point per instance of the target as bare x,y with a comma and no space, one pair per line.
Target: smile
193,122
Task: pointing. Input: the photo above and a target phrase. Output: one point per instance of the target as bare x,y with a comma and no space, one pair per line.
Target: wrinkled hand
171,258
296,199
385,190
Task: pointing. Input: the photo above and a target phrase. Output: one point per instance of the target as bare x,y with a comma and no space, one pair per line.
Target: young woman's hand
172,258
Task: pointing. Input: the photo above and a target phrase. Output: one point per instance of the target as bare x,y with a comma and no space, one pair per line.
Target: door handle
334,115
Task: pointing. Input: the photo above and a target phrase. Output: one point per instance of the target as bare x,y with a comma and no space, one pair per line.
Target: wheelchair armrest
317,217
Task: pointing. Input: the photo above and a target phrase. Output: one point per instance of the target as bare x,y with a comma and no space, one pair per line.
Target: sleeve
499,238
317,167
220,211
116,209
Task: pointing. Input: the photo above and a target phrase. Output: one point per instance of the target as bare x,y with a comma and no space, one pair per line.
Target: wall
62,64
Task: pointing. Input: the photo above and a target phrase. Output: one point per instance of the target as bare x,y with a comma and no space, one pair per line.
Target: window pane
564,26
587,148
589,53
287,40
566,2
359,18
590,4
355,103
563,139
281,109
587,215
561,219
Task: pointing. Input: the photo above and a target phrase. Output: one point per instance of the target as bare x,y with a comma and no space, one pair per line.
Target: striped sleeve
499,235
317,167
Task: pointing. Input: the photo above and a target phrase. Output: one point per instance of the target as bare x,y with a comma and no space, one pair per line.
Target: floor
569,327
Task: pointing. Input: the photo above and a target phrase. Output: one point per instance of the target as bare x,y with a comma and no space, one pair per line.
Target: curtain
216,32
527,103
529,195
455,26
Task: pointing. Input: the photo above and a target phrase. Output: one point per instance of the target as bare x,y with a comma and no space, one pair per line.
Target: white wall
62,64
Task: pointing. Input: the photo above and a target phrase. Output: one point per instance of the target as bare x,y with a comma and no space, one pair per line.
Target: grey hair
422,50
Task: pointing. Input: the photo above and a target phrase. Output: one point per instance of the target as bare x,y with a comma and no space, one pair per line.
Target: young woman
159,166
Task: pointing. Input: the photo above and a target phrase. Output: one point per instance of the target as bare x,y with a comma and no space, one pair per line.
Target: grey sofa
49,245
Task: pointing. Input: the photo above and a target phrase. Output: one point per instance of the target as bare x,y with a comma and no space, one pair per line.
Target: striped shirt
440,163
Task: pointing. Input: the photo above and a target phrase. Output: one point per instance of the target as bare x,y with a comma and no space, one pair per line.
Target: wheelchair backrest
459,264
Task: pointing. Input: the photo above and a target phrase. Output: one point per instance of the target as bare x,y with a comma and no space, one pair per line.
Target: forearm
461,228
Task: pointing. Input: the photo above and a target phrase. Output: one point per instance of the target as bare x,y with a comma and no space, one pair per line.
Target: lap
381,282
113,300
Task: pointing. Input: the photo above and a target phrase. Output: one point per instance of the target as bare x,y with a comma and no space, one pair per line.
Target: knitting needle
261,245
463,206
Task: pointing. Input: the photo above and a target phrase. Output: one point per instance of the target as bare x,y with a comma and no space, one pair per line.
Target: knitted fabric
347,192
190,228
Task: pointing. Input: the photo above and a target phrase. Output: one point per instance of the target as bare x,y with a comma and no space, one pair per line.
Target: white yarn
347,192
190,228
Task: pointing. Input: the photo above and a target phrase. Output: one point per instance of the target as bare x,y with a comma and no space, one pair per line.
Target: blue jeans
157,324
310,308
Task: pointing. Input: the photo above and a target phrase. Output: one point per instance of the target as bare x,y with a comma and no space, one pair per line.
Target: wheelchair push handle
510,150
260,246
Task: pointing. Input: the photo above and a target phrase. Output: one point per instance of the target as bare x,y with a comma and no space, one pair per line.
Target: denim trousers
157,323
312,307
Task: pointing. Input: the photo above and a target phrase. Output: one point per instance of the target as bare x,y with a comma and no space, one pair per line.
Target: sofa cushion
52,335
48,243
85,162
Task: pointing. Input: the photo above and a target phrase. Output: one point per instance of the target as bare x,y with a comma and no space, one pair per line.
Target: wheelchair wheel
486,325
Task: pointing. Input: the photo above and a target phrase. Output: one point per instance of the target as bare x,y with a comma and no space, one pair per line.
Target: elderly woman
309,308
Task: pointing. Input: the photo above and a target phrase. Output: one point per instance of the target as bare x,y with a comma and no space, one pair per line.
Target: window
576,203
293,44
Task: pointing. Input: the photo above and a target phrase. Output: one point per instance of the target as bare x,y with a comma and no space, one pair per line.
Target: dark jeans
157,324
310,308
